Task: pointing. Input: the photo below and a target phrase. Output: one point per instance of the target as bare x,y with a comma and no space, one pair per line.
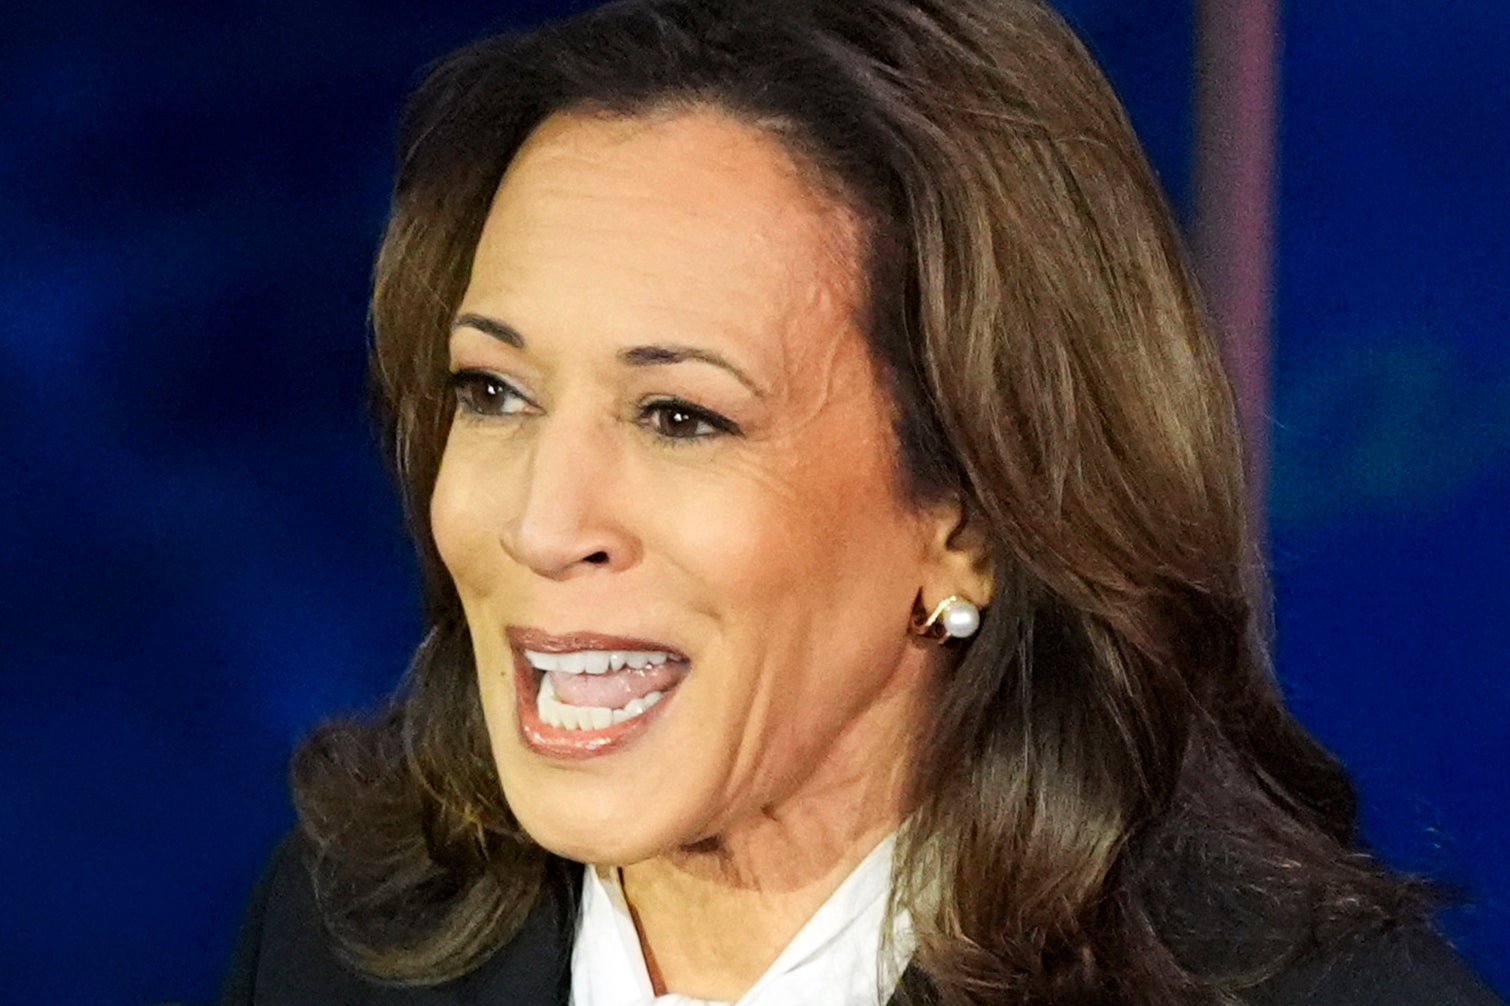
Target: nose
565,521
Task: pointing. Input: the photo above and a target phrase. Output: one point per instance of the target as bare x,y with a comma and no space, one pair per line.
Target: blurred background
204,557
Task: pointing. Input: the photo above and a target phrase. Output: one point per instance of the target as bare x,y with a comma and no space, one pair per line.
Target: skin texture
780,557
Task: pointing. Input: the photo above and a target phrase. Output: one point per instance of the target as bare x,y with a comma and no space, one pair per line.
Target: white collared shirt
834,960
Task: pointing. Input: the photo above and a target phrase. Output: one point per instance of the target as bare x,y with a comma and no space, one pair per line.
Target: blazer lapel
914,989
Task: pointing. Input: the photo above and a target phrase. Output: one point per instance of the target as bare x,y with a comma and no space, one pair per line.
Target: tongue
616,689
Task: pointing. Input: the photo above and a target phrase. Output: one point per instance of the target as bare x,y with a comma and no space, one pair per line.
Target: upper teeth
594,661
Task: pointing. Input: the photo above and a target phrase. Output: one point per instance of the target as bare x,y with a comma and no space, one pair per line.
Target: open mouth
583,693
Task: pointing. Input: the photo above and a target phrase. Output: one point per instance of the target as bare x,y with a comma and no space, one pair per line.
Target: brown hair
1114,806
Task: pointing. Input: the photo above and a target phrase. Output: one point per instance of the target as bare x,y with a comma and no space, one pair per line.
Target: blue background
203,557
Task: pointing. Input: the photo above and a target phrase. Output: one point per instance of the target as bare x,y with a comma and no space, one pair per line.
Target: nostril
597,558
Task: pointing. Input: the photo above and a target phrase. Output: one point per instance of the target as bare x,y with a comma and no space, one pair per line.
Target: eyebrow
635,356
656,356
489,326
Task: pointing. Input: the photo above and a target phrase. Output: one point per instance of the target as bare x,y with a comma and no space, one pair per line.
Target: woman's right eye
484,394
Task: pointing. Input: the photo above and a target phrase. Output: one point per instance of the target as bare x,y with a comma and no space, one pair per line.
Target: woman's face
671,449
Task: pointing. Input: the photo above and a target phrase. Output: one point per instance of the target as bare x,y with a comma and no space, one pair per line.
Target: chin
601,840
613,831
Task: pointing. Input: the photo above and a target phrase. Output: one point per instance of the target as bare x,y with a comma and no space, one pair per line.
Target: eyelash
716,424
469,387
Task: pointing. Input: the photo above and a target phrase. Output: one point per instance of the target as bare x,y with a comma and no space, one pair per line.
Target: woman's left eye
674,419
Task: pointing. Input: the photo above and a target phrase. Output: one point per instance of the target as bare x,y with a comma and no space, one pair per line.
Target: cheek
459,519
753,534
837,497
823,531
447,519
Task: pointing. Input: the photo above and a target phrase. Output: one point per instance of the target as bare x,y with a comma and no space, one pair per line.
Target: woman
831,512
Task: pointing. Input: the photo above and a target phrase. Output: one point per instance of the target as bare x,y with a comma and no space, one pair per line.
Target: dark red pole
1236,83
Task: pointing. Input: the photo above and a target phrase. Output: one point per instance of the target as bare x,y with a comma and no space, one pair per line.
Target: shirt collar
838,952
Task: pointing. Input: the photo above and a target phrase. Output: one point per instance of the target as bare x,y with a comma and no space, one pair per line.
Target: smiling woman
620,495
837,578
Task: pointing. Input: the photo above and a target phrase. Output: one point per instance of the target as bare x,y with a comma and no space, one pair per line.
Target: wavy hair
1113,805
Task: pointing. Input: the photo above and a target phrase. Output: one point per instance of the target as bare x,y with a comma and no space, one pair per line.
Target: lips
581,694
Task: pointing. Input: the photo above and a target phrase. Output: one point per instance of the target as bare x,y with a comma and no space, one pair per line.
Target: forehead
692,221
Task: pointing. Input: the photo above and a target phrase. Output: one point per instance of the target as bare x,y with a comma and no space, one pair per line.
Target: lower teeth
553,712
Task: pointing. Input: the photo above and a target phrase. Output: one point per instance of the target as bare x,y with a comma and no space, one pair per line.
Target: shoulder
1405,966
284,956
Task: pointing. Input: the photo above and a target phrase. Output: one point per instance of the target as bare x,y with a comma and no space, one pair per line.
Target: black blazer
282,958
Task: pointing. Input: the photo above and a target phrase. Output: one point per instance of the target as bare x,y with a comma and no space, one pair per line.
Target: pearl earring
954,618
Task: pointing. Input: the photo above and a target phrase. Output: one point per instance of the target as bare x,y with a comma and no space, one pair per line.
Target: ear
959,559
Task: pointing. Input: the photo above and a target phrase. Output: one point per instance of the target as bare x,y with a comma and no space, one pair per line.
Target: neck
713,917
